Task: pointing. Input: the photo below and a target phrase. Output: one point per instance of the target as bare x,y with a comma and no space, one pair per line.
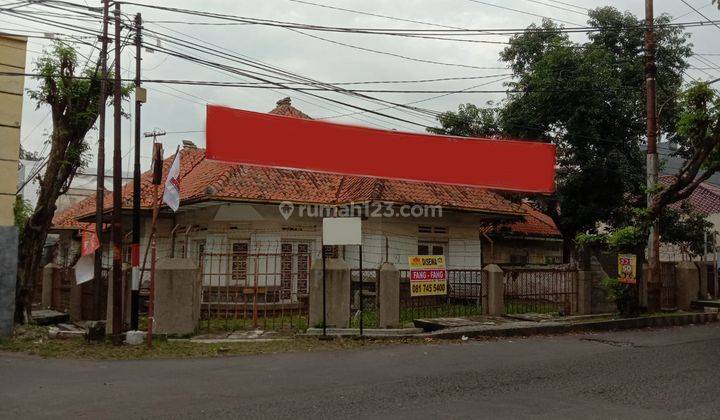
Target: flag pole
157,178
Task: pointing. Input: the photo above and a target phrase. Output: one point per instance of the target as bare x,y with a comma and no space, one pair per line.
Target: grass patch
34,340
283,325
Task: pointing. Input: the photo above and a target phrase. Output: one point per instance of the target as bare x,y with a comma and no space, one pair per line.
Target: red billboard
253,138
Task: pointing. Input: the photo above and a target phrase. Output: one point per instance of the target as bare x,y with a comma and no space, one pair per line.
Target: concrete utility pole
649,284
139,99
117,225
100,187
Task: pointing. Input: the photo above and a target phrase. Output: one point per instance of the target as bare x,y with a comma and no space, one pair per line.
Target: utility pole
139,99
649,284
117,225
100,187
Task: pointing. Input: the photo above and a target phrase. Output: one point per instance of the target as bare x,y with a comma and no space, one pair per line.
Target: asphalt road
668,373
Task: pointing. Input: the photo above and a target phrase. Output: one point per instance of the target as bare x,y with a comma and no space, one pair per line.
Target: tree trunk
34,234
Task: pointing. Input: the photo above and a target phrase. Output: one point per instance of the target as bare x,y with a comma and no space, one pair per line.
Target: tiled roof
67,219
705,199
284,107
203,180
535,224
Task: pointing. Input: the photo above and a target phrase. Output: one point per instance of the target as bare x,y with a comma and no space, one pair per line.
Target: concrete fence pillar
337,279
584,292
178,288
688,284
48,273
495,291
389,297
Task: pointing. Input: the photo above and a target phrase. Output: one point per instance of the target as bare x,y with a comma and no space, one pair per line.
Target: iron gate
242,290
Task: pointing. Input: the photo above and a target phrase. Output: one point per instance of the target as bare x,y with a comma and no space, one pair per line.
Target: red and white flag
90,243
171,195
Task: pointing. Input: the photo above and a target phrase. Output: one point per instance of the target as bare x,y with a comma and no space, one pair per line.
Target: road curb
565,328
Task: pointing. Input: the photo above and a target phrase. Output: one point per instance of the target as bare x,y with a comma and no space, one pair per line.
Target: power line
523,12
391,54
256,64
584,12
700,13
396,31
375,14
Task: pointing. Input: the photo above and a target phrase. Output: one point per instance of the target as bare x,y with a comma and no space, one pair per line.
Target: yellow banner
426,261
627,268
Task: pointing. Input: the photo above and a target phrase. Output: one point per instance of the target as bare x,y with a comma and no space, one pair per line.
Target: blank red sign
238,136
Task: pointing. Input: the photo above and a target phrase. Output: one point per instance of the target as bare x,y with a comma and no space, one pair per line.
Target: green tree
73,97
22,211
698,140
470,121
588,98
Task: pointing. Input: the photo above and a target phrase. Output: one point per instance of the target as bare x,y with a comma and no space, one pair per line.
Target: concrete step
706,303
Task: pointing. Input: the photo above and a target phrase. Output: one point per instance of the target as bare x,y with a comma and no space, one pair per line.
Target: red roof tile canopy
238,136
534,224
705,199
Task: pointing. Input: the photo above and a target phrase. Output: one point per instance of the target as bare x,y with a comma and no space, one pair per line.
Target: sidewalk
527,325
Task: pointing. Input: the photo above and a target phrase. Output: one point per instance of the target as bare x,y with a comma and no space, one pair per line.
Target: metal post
324,282
117,225
652,157
715,265
361,292
100,187
135,291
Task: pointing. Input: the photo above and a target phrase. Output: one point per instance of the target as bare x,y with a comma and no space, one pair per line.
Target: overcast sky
182,108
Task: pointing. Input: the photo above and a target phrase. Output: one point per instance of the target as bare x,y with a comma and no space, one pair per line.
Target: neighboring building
671,165
83,185
704,200
12,59
535,240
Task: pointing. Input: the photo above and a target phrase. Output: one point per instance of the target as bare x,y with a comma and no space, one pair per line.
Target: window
431,248
239,261
519,259
440,230
294,268
200,251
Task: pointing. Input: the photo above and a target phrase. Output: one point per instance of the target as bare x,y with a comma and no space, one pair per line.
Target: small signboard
342,231
627,268
428,276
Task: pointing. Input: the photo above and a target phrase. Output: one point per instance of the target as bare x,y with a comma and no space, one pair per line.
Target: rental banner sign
252,138
428,276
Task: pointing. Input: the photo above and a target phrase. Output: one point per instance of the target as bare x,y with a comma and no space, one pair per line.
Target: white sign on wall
342,231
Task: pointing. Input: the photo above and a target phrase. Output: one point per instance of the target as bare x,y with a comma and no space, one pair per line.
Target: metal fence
369,296
540,290
465,294
242,290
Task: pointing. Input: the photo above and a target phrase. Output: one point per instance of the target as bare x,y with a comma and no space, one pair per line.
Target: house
260,227
534,240
704,200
